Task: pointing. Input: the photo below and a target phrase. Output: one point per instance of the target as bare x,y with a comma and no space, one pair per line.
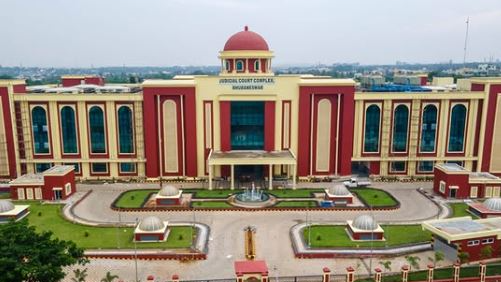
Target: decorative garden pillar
175,278
326,277
457,267
431,268
405,273
264,276
377,275
350,274
483,270
240,277
150,278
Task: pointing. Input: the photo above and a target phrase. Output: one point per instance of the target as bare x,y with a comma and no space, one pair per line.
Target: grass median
335,236
48,217
375,197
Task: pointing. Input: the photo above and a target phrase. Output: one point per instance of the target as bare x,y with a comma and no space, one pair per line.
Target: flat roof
461,228
28,179
59,170
483,209
255,157
251,267
451,167
477,177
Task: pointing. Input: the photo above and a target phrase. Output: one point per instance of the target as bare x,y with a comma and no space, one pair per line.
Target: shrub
86,233
180,237
39,213
319,238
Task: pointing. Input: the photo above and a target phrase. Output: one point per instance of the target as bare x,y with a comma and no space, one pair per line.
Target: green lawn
298,193
50,218
210,194
297,204
460,209
133,198
375,197
335,236
442,273
216,204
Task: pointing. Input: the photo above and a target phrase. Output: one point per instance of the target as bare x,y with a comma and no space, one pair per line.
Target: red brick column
405,273
457,267
175,278
350,274
264,277
483,270
431,268
240,277
377,275
326,277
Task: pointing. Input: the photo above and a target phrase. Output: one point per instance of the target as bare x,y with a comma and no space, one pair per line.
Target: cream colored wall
209,89
415,115
81,101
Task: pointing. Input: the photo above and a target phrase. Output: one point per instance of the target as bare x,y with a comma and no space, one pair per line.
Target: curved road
272,235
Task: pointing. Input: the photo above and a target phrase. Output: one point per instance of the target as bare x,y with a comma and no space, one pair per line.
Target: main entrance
247,125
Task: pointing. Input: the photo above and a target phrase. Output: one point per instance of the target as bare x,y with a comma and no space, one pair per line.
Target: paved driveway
226,242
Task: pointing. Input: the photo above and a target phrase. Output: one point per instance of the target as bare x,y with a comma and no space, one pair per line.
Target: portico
252,157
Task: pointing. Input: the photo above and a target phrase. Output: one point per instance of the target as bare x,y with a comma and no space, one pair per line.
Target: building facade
189,126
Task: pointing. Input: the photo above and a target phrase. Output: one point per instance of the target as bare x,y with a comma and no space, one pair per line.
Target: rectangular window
397,167
99,168
20,193
473,192
459,163
487,241
29,193
39,168
38,193
425,166
442,187
473,243
495,191
488,192
127,168
67,188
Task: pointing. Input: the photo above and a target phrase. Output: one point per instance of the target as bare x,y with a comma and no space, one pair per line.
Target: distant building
303,125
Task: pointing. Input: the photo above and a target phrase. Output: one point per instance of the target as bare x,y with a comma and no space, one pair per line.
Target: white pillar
232,177
210,177
294,176
270,176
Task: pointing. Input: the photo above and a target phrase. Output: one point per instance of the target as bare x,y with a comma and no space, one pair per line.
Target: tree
463,257
109,277
486,252
30,256
79,275
386,265
413,261
437,257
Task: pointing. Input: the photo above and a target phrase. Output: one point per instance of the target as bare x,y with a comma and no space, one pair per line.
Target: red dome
246,40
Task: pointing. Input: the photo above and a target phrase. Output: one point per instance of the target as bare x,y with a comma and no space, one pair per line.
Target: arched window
125,130
371,134
40,130
68,130
400,128
96,127
240,65
257,65
227,65
428,129
457,127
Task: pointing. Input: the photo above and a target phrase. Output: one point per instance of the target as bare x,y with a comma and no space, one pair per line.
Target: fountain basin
244,200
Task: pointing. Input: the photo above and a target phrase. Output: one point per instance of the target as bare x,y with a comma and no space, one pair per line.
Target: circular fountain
252,198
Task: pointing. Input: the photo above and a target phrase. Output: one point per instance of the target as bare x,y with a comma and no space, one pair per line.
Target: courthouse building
246,121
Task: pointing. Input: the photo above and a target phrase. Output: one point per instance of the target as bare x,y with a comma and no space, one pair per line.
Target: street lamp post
372,244
135,253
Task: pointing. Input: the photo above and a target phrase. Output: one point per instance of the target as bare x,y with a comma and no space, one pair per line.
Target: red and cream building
245,121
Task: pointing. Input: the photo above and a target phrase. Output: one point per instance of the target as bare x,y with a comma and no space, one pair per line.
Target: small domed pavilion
489,208
365,228
169,195
339,194
151,229
9,211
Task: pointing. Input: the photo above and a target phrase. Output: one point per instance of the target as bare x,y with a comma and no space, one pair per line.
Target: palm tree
413,261
109,277
80,275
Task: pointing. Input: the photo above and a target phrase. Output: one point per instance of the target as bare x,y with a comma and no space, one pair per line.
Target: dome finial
246,28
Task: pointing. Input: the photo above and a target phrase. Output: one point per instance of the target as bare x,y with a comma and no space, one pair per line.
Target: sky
85,33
